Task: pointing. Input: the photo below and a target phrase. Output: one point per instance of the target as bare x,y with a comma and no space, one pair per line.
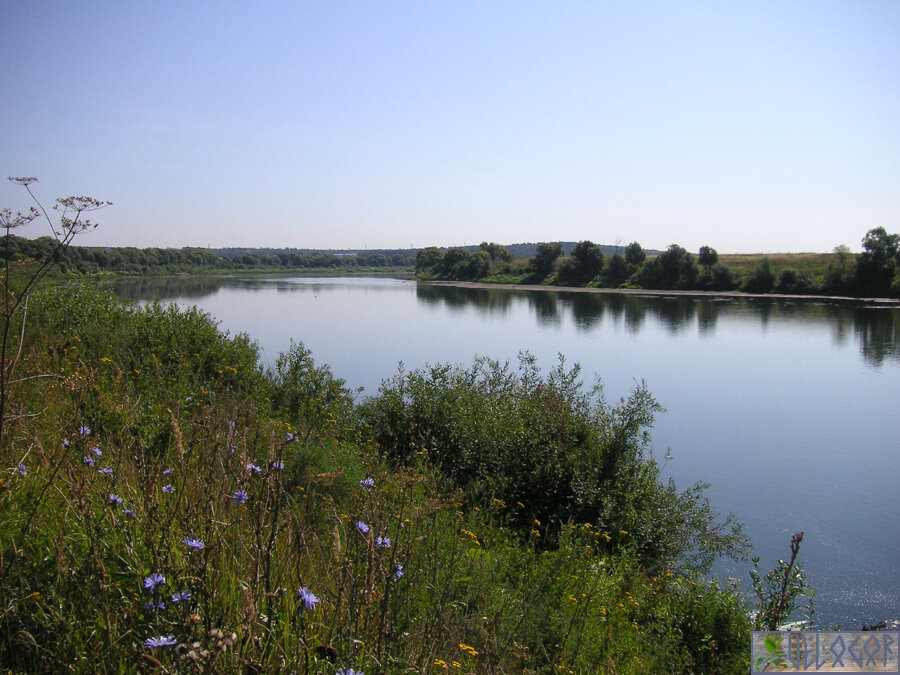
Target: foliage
877,266
552,454
169,505
635,255
544,261
761,280
778,591
585,264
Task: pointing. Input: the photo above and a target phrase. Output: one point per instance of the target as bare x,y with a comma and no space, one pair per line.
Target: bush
552,454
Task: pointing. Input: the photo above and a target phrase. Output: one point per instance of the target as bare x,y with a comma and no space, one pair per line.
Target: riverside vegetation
873,273
171,505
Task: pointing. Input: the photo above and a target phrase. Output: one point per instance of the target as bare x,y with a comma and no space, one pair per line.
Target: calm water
791,411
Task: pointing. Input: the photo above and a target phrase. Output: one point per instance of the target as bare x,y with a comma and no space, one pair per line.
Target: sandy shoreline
835,299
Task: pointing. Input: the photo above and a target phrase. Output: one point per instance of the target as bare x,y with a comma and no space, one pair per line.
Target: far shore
643,292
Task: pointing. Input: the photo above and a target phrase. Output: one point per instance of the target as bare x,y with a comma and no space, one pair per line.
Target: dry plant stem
783,597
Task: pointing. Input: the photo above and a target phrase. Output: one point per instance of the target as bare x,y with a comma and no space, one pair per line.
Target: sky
746,126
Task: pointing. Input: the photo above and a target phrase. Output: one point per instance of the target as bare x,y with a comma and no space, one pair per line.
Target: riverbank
649,293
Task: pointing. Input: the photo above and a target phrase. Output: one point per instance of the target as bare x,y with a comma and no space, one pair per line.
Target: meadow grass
169,505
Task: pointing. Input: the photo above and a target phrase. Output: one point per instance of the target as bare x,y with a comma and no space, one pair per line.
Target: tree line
873,273
131,260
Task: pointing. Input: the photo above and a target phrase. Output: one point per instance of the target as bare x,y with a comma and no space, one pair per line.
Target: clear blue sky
757,126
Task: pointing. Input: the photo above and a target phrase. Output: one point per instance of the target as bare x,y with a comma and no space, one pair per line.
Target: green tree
708,257
616,270
544,260
878,263
587,259
761,279
428,259
496,251
635,254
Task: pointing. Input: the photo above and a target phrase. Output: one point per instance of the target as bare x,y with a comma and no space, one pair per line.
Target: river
789,409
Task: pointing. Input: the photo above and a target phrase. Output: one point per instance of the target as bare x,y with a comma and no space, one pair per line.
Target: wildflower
115,499
231,424
309,600
252,467
106,471
154,580
21,469
97,451
65,442
362,527
153,606
84,430
90,461
278,465
128,512
187,400
195,544
397,570
179,597
169,489
166,472
367,483
240,497
383,542
289,437
161,641
349,671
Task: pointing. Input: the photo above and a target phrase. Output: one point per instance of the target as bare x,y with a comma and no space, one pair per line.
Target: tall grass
170,506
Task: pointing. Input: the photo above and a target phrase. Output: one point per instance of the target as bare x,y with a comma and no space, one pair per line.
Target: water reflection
877,330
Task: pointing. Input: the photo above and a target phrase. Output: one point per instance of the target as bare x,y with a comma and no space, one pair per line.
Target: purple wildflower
65,442
187,400
161,641
84,430
179,597
97,451
166,472
252,467
116,499
348,671
397,569
383,542
289,438
367,483
168,489
153,606
106,471
362,527
240,497
193,543
309,600
21,469
128,512
278,465
90,461
154,580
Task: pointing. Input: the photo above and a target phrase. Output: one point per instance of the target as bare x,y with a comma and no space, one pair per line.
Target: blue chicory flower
21,469
278,465
362,527
106,471
195,544
115,499
161,641
166,472
168,489
383,542
154,580
179,597
252,467
154,606
367,483
97,451
309,600
128,512
397,569
84,430
289,438
240,497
